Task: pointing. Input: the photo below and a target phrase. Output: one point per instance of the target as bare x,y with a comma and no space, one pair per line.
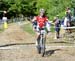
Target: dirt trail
21,52
14,34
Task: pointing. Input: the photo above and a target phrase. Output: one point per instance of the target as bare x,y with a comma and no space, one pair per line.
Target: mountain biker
40,21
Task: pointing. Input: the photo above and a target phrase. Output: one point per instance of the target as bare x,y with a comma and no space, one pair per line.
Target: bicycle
41,42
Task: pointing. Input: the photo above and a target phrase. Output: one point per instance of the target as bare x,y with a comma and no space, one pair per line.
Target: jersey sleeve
46,18
36,18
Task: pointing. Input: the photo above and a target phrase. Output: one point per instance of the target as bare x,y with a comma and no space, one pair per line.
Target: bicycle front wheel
43,47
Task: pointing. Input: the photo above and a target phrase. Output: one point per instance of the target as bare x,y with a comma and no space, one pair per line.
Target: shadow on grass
50,52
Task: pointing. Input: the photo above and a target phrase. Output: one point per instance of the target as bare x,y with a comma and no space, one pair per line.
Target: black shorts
57,29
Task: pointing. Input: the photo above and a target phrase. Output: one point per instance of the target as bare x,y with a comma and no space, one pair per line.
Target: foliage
16,7
54,7
31,7
73,3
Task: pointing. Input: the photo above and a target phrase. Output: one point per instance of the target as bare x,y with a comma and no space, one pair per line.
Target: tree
73,3
53,7
17,7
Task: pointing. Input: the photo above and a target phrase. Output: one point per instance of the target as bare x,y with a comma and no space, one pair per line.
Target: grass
28,28
1,30
60,42
52,29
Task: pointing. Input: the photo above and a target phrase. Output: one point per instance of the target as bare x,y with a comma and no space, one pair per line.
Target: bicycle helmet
42,10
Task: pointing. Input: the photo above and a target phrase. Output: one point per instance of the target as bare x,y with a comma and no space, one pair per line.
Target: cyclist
40,21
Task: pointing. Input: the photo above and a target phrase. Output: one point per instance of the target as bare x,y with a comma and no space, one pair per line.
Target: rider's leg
38,42
38,37
36,30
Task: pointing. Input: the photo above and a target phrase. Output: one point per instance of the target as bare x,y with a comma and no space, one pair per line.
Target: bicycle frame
42,36
42,42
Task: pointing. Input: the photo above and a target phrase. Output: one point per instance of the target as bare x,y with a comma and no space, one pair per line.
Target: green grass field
28,28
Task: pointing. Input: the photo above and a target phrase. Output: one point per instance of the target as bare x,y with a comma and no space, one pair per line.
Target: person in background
57,27
4,16
68,18
4,19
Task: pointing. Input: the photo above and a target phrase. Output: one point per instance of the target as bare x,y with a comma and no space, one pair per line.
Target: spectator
57,27
5,20
4,16
68,19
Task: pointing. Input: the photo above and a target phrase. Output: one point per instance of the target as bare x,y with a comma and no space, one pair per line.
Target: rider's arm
50,21
33,23
34,19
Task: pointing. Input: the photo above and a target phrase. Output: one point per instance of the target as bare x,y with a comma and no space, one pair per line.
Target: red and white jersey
41,21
